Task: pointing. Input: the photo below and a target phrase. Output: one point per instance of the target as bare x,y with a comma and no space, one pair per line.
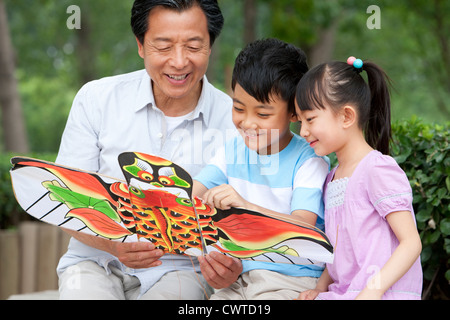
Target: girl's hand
308,294
224,197
322,286
369,295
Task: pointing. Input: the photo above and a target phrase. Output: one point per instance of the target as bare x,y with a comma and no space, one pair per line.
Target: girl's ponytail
378,128
337,83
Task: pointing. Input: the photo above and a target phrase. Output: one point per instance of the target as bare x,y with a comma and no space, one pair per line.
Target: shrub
422,150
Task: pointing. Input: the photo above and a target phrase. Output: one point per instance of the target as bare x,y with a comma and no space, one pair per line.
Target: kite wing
252,235
73,199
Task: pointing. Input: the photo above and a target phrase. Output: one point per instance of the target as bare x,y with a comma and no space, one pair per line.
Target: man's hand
137,255
220,271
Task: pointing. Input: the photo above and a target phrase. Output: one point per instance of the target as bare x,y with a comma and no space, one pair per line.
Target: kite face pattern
160,193
154,203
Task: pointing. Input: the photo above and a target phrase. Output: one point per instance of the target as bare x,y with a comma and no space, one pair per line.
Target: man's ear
349,116
140,48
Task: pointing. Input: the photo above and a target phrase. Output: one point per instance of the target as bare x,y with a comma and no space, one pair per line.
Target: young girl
368,200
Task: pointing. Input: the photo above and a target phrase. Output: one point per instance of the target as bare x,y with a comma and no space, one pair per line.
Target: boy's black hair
270,67
141,11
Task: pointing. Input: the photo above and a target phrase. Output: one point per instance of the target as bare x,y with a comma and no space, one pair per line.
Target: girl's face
264,127
321,129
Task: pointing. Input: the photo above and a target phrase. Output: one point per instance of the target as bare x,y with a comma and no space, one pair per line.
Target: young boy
266,169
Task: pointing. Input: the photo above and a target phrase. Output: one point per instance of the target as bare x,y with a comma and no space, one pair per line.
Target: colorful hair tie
356,63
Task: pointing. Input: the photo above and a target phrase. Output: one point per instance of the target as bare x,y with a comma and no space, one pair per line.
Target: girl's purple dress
355,222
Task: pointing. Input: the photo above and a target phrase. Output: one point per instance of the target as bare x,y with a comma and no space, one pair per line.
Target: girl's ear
349,116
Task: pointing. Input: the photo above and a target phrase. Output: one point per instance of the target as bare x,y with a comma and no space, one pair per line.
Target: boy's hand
224,197
220,271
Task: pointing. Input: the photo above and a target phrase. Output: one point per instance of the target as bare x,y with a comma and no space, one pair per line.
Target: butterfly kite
154,203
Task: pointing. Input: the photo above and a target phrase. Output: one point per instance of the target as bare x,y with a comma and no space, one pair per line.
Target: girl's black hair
141,11
337,84
270,66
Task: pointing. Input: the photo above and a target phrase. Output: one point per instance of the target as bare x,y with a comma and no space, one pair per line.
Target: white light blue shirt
118,114
289,180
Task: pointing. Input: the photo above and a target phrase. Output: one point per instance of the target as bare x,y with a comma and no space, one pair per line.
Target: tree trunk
323,50
13,124
250,8
85,51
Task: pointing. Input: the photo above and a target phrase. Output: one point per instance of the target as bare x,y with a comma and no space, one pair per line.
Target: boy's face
264,126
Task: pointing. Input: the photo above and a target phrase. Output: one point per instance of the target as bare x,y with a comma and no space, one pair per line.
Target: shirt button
160,135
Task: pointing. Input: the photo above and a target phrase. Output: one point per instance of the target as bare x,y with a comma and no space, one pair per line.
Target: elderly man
170,110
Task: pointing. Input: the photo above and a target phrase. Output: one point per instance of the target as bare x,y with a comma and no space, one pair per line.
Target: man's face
176,52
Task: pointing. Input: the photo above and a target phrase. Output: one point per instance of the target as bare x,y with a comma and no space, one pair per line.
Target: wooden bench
28,260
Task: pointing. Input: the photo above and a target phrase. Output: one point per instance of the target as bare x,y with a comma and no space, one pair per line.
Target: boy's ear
294,117
349,116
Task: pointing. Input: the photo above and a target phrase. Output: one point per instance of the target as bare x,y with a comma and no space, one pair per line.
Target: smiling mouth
178,78
313,143
251,135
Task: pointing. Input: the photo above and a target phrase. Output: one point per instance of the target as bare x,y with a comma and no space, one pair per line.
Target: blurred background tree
52,61
12,120
43,63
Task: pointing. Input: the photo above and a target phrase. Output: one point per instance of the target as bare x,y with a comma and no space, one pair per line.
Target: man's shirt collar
146,98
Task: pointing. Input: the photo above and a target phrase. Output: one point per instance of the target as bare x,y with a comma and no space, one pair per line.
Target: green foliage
421,77
50,60
422,150
54,51
298,21
46,103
